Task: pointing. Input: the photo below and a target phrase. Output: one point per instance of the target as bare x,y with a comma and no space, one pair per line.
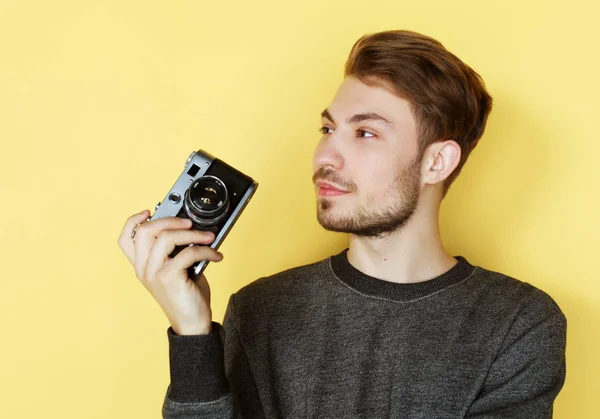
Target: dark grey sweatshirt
327,341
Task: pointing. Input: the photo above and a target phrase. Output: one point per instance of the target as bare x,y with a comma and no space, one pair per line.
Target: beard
376,218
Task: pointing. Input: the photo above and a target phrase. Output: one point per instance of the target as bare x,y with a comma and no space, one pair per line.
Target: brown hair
448,99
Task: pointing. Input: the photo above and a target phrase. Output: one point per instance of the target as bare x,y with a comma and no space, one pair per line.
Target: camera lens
206,200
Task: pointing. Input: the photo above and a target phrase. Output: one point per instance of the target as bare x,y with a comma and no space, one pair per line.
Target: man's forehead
356,97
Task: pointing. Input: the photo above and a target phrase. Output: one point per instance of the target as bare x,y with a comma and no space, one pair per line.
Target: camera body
211,194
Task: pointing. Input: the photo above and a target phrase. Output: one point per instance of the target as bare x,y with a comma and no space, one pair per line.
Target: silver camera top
196,166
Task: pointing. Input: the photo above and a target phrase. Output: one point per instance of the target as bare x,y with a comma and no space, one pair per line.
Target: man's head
403,122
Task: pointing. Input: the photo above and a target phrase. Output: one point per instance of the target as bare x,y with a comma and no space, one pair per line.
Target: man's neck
413,254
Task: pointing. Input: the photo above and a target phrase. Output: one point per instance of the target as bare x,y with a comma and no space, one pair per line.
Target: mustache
332,177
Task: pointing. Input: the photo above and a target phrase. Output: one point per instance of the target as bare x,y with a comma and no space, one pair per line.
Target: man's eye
369,134
325,130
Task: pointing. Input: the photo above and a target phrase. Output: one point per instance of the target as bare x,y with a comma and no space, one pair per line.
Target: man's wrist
192,331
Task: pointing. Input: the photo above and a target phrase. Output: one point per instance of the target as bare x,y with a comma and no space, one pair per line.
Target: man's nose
328,153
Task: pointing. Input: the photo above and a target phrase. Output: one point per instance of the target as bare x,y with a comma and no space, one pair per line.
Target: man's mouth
327,189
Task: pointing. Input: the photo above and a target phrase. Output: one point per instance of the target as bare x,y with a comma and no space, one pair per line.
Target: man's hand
185,303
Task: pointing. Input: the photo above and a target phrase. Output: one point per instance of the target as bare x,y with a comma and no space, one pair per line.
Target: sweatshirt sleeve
530,369
210,376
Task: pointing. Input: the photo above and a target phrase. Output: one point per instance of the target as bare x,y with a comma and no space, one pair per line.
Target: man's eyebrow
358,117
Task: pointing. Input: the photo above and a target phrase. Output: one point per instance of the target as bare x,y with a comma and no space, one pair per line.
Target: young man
394,326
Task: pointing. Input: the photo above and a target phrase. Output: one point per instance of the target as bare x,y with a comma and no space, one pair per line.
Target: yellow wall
102,102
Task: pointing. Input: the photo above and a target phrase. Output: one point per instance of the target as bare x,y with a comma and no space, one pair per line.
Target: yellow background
102,102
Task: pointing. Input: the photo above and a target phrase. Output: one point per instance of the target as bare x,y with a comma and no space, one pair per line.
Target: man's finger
188,256
166,242
147,234
124,241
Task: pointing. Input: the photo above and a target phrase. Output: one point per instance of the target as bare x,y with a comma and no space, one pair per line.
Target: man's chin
333,227
331,223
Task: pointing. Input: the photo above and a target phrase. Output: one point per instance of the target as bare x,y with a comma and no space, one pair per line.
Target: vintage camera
210,193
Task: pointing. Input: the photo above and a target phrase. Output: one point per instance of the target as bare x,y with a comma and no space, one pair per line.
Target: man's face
368,152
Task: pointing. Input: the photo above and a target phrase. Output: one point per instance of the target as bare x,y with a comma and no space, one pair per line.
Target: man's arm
200,387
529,371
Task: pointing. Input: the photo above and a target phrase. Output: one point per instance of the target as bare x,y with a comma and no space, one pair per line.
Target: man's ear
440,160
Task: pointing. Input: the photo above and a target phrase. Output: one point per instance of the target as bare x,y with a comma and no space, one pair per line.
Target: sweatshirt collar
374,287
